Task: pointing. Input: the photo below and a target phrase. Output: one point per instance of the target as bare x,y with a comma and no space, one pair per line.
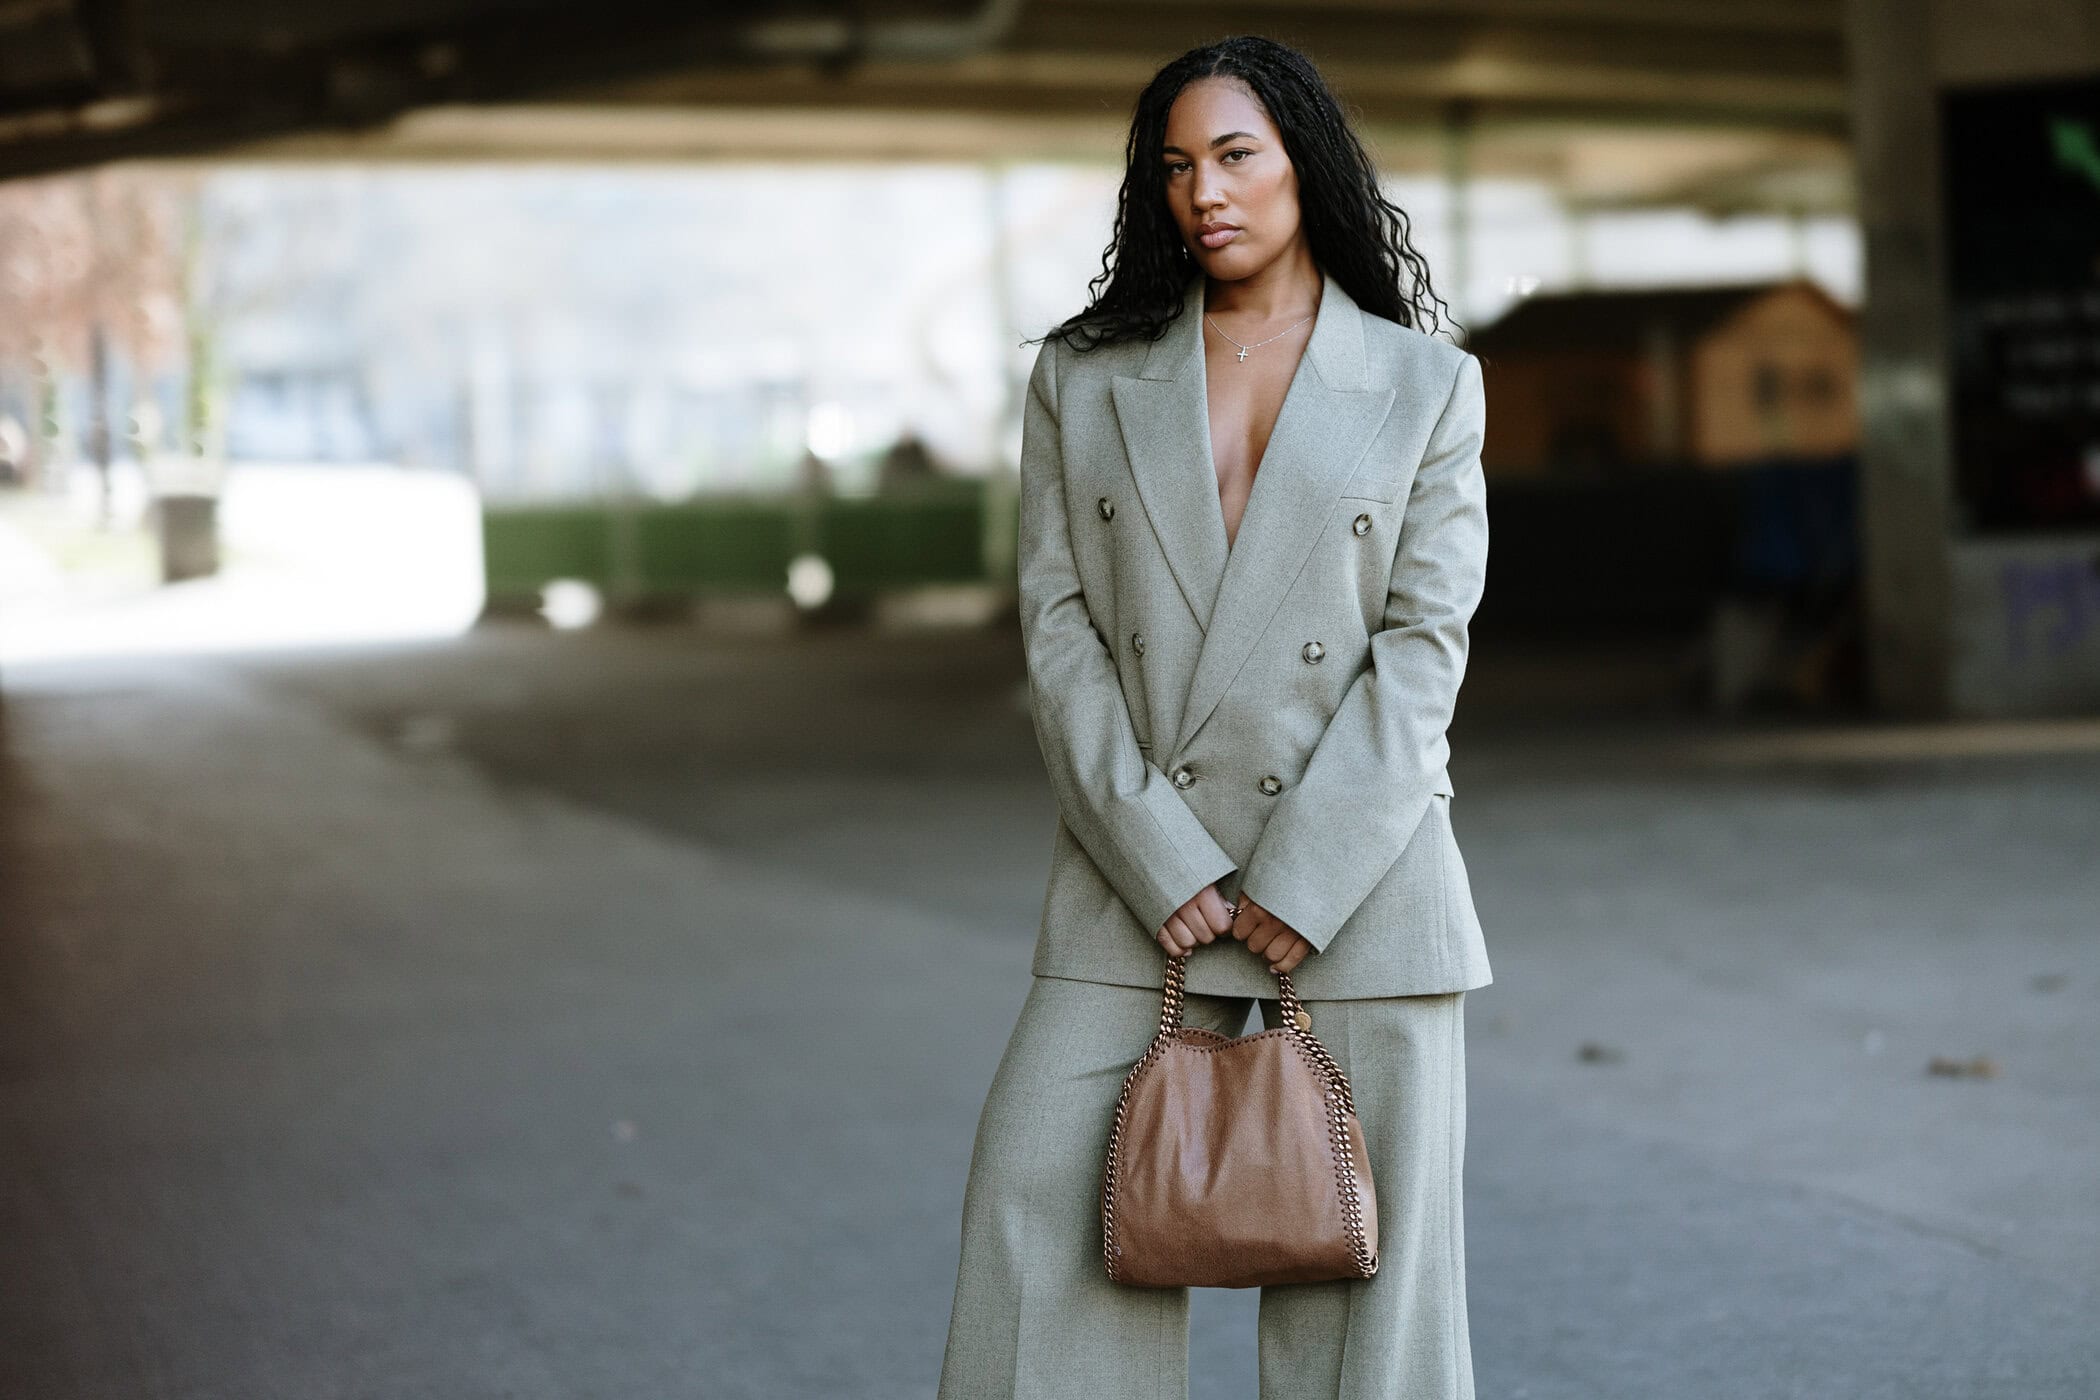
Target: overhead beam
1774,66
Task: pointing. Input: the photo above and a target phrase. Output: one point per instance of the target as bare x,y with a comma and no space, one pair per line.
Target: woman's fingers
1200,920
1266,937
1274,941
1249,920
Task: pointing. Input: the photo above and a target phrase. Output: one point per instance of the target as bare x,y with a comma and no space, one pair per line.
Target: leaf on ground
1976,1067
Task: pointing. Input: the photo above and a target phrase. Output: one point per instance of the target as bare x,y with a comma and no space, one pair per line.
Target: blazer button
1313,652
1272,785
1362,525
1137,642
1183,777
1108,509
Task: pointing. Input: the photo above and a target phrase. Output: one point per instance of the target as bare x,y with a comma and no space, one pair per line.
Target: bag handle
1176,991
1176,984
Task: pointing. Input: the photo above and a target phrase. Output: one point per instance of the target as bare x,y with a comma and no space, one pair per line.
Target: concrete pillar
1956,623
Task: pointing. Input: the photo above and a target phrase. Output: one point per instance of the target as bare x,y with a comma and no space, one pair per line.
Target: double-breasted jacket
1268,714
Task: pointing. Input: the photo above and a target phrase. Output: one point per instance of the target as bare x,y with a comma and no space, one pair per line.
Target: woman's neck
1276,293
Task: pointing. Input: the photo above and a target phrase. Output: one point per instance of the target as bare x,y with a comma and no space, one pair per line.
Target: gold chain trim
1341,1107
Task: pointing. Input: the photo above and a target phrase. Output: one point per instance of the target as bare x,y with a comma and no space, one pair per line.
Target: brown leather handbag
1236,1163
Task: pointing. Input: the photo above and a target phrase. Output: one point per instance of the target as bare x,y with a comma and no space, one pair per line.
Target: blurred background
520,832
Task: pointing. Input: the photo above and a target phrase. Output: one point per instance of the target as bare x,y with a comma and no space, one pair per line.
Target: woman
1253,534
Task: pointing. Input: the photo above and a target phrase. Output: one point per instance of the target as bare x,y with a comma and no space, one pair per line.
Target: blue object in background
1797,527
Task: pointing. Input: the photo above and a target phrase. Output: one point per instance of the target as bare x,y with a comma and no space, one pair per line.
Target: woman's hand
1269,937
1203,919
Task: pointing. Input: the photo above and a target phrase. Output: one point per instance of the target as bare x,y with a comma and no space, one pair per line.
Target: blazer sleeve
1368,782
1122,809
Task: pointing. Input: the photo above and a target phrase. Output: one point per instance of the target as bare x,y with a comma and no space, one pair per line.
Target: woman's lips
1219,239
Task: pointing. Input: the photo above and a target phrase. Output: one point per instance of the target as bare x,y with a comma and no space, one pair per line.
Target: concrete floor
607,1014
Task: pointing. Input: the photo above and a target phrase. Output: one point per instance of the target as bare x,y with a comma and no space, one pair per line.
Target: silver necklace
1259,343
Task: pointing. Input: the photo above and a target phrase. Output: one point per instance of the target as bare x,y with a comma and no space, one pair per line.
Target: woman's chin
1227,264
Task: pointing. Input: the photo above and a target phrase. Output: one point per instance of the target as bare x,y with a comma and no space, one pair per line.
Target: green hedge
933,533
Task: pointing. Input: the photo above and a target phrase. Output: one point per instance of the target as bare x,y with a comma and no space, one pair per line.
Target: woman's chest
1243,399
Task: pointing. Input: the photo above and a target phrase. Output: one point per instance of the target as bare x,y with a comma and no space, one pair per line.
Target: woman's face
1227,175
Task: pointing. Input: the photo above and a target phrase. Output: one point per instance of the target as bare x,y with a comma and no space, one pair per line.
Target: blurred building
1592,381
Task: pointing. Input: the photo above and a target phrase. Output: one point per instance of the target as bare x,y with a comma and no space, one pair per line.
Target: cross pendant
1243,352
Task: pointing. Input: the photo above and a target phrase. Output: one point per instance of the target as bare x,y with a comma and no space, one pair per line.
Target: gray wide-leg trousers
1035,1316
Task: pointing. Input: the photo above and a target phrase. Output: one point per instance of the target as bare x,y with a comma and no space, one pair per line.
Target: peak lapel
1329,416
1165,422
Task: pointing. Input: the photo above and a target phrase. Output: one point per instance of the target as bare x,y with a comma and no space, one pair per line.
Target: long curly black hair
1355,234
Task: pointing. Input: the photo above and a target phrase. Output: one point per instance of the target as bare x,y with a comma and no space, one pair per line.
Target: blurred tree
90,268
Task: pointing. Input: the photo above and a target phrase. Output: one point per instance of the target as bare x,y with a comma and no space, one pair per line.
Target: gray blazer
1270,716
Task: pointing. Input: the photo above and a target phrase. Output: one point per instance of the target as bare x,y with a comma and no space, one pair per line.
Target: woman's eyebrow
1215,142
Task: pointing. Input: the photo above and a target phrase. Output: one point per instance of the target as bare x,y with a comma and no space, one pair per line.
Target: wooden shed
1586,383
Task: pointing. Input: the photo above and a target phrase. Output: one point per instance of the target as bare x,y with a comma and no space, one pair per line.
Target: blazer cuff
1204,860
1314,887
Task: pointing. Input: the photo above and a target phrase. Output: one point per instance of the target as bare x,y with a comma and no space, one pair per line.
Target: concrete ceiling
1725,104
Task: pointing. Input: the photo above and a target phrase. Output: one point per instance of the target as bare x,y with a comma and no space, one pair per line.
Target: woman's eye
1175,167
